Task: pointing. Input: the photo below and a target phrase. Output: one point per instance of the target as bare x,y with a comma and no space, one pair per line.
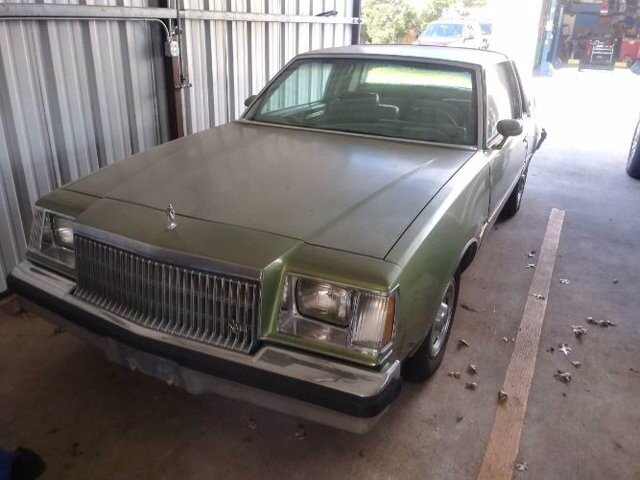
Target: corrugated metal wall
76,95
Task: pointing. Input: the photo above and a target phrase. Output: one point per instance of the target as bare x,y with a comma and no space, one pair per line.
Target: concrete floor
90,419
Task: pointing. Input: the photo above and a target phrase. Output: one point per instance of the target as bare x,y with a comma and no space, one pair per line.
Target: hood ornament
171,217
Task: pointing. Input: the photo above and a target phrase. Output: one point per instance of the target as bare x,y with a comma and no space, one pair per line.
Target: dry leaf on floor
503,397
578,330
601,323
566,349
564,377
471,309
565,281
57,331
472,369
576,363
505,339
462,343
300,432
531,265
454,374
522,467
538,296
471,385
252,424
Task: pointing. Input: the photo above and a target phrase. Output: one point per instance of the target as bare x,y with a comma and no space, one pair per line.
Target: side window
525,101
503,97
305,85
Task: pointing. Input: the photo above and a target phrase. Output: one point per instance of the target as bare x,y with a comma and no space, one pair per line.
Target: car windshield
443,30
417,101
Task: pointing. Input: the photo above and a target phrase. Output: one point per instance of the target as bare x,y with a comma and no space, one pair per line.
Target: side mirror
249,100
509,128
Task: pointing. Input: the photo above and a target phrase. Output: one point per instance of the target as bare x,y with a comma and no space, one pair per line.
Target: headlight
323,301
349,317
51,238
62,230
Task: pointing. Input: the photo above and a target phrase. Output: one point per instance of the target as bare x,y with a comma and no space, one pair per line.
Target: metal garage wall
77,95
230,60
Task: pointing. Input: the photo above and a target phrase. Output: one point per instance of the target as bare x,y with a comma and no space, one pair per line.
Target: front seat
359,107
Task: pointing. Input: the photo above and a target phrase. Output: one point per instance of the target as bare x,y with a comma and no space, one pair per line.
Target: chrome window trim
472,148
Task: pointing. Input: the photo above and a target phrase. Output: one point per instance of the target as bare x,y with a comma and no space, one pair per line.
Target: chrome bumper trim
335,376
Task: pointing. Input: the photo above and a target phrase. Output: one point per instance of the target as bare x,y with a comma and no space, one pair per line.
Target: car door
507,157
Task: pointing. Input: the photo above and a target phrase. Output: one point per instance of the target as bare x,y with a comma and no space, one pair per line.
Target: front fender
432,248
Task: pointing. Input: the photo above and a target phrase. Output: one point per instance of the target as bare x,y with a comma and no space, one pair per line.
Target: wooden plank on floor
504,440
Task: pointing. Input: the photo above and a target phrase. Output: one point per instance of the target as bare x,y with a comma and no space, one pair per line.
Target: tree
392,21
386,21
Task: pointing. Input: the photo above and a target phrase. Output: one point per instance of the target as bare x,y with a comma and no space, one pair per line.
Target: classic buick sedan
306,257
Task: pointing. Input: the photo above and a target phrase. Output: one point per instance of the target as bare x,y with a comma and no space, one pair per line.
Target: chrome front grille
205,307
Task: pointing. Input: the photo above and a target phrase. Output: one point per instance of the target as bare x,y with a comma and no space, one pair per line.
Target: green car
306,257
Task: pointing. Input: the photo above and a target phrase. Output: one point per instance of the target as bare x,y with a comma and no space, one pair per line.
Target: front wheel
427,359
515,199
633,163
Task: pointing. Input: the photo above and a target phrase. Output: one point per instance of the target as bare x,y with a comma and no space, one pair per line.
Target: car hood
345,192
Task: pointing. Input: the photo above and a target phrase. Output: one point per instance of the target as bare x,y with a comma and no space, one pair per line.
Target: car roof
469,56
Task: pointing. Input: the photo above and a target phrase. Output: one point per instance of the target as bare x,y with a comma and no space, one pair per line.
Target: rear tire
515,199
633,163
427,359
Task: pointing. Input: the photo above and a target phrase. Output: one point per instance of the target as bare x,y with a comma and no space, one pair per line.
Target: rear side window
503,97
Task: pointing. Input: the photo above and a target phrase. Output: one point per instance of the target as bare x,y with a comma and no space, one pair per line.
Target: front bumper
308,386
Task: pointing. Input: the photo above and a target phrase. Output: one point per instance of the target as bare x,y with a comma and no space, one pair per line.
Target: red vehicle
629,51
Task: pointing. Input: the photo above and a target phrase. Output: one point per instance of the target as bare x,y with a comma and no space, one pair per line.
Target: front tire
427,359
633,163
515,199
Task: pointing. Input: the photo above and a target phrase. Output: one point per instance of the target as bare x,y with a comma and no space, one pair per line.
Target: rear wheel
515,199
427,359
633,164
